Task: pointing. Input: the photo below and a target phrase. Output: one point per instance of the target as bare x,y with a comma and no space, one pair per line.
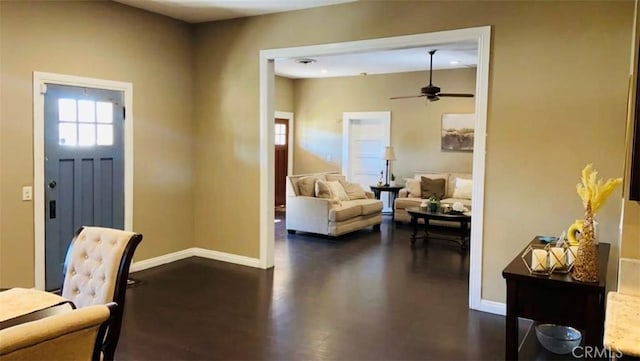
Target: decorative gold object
559,256
537,259
593,193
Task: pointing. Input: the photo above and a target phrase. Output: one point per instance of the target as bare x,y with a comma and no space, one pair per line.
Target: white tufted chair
96,269
71,335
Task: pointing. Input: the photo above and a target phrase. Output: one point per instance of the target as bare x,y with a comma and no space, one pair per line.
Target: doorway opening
480,35
283,156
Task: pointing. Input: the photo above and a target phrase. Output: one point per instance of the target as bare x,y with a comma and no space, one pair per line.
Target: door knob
52,184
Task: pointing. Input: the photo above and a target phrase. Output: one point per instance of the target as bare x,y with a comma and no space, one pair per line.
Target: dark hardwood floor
365,296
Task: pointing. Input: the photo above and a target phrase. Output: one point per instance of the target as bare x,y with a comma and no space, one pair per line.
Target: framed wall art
457,132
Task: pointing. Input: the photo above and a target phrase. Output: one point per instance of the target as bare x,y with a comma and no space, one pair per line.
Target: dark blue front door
84,167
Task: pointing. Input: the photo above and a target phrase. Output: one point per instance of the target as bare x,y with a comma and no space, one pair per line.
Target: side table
555,299
393,190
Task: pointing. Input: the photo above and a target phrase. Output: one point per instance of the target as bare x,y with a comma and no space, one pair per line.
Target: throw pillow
337,191
429,187
322,190
463,188
334,177
306,186
413,186
353,190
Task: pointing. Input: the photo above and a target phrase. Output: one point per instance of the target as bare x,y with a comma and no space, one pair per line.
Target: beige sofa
326,216
406,200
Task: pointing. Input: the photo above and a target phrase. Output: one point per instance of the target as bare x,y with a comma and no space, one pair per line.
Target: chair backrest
73,335
96,269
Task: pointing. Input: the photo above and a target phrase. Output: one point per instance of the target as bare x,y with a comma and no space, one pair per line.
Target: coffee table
417,213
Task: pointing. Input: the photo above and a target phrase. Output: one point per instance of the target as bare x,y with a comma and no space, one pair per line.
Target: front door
281,160
84,167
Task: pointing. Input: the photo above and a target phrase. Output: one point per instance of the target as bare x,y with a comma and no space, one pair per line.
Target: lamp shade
389,154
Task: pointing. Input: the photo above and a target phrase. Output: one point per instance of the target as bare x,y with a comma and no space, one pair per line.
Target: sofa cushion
452,181
404,203
322,190
413,186
462,188
370,206
444,176
334,177
337,191
346,210
430,187
353,190
306,186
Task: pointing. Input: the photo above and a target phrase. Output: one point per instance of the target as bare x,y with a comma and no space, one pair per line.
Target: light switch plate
27,193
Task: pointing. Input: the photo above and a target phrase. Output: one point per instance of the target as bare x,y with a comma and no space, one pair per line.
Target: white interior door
365,134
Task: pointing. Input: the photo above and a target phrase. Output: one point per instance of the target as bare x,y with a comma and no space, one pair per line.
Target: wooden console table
555,299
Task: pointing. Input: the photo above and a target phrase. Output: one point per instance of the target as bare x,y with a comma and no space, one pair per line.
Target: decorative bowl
558,339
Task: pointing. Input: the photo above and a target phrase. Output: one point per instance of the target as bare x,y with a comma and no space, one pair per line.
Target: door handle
52,209
52,184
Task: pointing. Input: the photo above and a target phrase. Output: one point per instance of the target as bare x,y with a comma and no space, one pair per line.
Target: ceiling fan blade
456,95
407,97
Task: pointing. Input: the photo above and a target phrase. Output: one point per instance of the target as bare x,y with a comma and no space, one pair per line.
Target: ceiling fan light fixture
432,92
305,61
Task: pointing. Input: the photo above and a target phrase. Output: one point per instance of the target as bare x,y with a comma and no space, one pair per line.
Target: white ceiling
379,62
448,56
198,11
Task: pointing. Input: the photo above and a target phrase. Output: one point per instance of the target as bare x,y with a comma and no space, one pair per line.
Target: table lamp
388,155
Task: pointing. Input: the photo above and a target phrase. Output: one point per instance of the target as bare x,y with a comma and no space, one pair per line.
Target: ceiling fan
431,91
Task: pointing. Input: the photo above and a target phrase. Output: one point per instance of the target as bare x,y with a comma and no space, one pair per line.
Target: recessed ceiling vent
305,61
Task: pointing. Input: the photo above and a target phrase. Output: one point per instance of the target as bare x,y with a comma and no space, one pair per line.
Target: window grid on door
85,122
281,134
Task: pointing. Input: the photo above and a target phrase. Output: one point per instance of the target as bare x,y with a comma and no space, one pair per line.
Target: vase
585,268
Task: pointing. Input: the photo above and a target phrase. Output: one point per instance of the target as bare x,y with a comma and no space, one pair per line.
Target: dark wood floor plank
364,296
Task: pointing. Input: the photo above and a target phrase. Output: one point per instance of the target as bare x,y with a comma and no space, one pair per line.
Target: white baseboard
497,308
160,260
194,252
227,257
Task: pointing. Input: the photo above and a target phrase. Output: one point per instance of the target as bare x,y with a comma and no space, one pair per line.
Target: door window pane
87,134
67,134
105,134
67,110
281,134
86,111
105,112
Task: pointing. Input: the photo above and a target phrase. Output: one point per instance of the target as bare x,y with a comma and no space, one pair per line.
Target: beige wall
284,97
557,95
415,124
99,39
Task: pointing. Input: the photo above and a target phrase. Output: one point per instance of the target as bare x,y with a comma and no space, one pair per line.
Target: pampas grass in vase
593,192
